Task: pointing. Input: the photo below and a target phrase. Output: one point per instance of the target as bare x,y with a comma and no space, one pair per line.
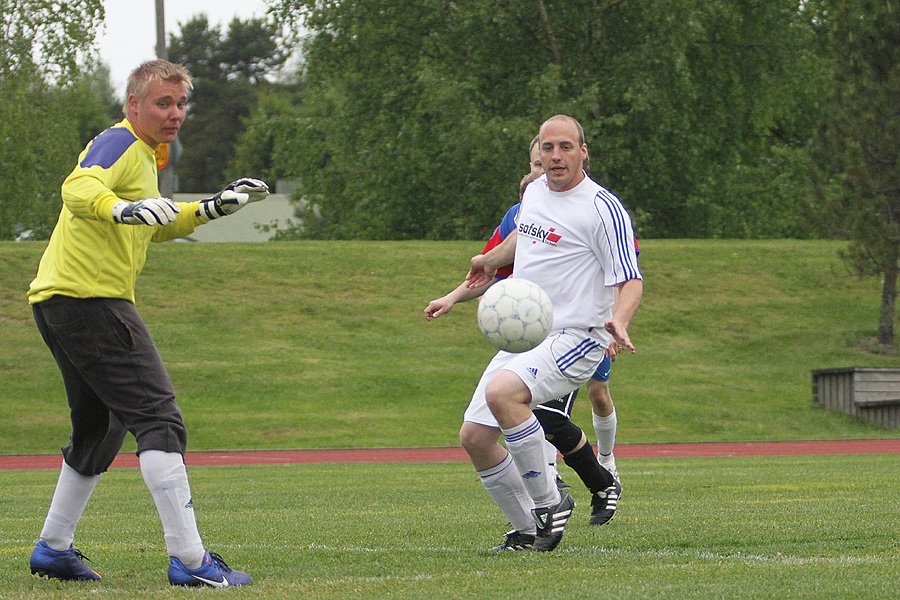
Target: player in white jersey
575,240
563,436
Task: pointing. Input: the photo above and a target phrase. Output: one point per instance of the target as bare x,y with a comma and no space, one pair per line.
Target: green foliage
32,167
50,126
430,105
861,140
48,40
49,106
686,529
265,147
228,70
389,146
92,102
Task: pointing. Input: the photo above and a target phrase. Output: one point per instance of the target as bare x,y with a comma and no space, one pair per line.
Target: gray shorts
114,377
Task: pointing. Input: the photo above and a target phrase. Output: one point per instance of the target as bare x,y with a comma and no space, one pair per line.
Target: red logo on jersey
539,234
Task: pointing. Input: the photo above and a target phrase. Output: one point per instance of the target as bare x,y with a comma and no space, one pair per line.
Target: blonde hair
139,79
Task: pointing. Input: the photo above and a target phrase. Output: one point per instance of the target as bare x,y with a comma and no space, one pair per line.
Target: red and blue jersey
507,225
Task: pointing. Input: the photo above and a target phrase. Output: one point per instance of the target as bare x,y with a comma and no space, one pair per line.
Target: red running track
454,454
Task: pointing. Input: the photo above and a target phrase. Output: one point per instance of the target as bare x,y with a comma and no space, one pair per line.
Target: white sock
525,443
166,478
69,500
551,459
605,428
503,483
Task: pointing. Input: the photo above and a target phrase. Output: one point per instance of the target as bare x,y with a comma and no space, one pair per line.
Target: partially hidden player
575,240
83,304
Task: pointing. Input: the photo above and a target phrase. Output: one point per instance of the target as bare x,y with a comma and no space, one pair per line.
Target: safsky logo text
548,236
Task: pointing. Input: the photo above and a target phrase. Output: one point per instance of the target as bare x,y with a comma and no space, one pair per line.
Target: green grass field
710,528
324,344
315,345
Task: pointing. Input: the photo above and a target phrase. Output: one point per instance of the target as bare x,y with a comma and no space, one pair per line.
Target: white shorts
561,363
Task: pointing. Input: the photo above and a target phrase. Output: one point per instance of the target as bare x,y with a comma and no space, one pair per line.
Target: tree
44,47
392,142
264,145
51,41
861,140
93,102
417,115
228,71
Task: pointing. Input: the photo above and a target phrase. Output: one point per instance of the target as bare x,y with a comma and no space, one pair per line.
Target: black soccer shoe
604,504
551,521
560,484
515,540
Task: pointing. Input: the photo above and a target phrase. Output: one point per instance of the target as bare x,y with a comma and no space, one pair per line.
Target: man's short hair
570,120
139,79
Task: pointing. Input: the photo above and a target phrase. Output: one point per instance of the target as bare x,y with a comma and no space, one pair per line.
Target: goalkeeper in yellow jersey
83,304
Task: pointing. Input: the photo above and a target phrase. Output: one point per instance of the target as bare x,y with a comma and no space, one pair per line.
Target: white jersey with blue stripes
576,245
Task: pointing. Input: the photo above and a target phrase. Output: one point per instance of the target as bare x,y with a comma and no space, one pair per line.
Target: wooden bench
870,394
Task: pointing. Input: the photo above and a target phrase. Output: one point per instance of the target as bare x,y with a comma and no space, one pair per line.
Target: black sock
585,463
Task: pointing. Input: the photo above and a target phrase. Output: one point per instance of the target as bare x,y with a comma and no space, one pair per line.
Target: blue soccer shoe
67,565
213,573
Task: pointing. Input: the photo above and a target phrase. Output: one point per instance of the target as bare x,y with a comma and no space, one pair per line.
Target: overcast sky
129,37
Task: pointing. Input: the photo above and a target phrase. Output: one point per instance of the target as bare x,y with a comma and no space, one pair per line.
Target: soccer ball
515,315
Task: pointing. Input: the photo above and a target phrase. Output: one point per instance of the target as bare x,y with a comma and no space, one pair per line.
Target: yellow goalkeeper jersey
90,255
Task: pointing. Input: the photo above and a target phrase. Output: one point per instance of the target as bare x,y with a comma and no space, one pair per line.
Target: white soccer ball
515,315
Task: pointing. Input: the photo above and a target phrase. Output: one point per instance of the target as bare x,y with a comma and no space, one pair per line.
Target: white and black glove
255,188
234,197
149,211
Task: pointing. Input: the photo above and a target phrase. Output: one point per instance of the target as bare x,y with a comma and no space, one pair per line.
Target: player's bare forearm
467,293
484,266
462,293
626,306
630,294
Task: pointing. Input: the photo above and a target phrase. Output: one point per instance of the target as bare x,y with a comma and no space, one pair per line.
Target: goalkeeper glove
149,211
234,197
258,190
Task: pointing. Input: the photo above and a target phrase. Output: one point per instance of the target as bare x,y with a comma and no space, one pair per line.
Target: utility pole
161,30
167,180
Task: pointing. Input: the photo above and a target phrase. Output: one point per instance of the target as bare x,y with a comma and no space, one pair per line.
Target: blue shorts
603,369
